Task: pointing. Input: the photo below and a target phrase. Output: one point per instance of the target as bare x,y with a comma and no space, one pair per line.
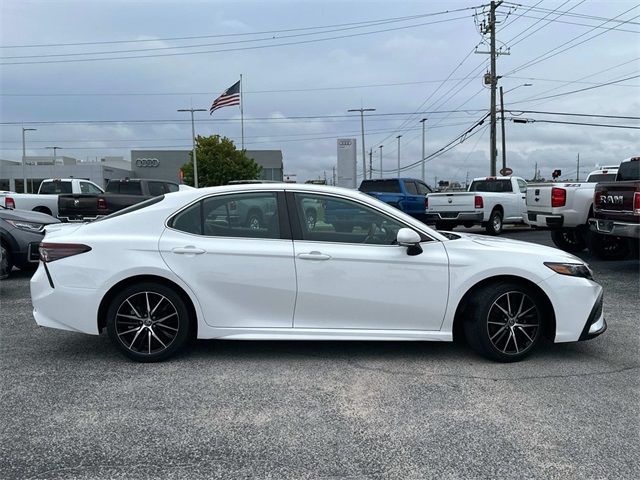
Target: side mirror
410,239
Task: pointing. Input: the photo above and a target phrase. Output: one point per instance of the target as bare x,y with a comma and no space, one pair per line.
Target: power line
607,125
568,13
255,47
195,37
572,114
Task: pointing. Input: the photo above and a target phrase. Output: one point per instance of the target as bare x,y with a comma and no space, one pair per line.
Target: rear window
54,188
491,186
129,188
132,208
602,177
383,186
629,170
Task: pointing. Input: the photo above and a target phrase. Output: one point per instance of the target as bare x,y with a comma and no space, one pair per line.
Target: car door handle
314,256
188,250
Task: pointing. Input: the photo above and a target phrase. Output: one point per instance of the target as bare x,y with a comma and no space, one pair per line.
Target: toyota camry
246,262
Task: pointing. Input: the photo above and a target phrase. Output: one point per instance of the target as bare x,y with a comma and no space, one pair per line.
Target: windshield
602,177
491,185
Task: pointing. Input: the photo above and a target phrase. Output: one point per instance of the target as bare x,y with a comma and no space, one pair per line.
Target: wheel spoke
127,316
526,311
525,333
497,323
515,341
134,309
129,331
504,349
520,307
149,342
157,338
146,296
164,318
501,330
134,339
503,310
157,305
525,325
166,326
509,304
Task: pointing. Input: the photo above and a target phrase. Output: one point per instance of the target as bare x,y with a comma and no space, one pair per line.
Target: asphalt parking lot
72,407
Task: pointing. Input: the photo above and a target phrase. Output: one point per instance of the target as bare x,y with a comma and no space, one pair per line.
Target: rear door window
629,170
156,188
411,187
55,187
490,185
382,186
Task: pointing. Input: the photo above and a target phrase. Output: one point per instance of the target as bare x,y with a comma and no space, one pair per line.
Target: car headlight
571,269
28,226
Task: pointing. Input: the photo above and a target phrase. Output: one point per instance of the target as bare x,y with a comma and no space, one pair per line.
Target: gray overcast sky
323,78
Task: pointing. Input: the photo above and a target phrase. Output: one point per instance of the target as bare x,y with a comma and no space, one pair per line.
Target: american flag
231,96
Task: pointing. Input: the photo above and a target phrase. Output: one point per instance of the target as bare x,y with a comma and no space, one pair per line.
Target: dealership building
155,164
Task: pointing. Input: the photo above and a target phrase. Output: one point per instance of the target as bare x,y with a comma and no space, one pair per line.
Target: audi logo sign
147,162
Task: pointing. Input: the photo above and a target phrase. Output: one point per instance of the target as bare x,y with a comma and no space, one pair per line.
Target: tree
219,162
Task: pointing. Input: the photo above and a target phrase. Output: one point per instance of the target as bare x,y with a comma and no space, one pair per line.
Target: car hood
508,245
28,216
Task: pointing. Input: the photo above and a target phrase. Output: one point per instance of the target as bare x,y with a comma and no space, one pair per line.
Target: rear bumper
611,227
538,219
476,217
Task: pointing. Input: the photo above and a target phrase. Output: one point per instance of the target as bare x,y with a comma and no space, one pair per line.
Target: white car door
358,278
241,271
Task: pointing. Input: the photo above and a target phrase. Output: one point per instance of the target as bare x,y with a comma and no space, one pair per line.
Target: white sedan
197,264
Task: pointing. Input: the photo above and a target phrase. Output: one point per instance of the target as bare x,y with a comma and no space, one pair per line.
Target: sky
102,77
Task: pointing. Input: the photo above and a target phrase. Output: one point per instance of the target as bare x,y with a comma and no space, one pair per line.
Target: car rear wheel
494,225
505,322
568,239
5,261
607,247
148,322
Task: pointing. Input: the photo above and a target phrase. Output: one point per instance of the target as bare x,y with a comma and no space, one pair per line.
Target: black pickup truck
119,194
615,225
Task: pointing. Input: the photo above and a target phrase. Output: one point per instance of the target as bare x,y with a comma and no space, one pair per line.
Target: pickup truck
46,200
119,194
565,208
489,201
406,194
615,224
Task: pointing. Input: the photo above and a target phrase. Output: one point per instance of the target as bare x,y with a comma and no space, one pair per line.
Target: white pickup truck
565,208
489,201
46,200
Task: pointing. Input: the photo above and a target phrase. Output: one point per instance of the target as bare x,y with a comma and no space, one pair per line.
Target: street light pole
54,152
398,137
423,122
24,159
364,161
193,142
380,147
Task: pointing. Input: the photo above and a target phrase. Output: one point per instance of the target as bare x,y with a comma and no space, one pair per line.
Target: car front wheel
505,323
148,322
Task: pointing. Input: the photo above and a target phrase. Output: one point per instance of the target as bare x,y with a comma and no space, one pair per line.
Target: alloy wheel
513,322
147,323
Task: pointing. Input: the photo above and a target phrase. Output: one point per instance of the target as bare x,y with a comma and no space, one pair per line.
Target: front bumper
539,219
476,217
596,324
612,227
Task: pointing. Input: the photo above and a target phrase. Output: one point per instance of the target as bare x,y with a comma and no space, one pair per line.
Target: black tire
494,225
498,336
445,225
254,220
569,239
607,247
131,328
28,267
43,210
5,261
468,224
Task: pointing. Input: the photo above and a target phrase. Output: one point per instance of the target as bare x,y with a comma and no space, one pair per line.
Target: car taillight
636,203
597,200
479,203
9,203
558,197
50,252
102,204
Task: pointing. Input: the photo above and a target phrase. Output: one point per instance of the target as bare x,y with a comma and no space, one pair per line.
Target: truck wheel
494,225
446,226
43,210
468,224
568,239
607,247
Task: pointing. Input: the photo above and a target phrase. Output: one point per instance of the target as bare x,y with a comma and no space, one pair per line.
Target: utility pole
535,172
380,147
54,152
492,80
398,137
364,161
504,142
334,176
24,159
423,122
371,162
193,142
578,170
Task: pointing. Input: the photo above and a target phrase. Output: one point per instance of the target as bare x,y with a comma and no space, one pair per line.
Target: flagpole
241,113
